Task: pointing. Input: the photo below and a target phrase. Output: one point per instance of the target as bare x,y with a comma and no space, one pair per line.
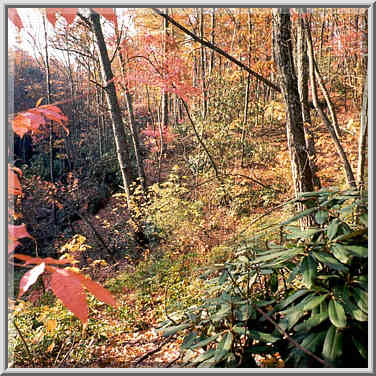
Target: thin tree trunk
132,121
51,135
341,152
203,67
301,170
212,39
164,92
246,99
116,118
363,135
303,79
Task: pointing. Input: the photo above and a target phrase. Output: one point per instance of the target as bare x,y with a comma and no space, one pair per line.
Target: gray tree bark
303,79
300,167
113,104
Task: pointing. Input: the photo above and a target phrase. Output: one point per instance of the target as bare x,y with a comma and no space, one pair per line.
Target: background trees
208,120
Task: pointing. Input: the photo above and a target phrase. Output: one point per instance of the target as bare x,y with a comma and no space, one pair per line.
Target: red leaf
69,290
15,18
52,114
35,119
12,245
38,260
69,14
108,14
14,186
16,232
30,278
21,125
96,289
51,15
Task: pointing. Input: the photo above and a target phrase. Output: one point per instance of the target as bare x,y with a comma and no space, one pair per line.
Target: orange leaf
50,347
15,18
30,277
38,260
96,289
69,290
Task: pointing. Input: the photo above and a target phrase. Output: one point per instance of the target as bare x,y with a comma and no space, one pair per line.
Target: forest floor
143,346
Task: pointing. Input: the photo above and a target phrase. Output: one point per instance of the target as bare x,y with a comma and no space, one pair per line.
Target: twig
173,361
67,353
151,352
24,342
282,331
165,306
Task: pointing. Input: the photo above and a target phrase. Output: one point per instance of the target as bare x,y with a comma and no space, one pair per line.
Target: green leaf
222,313
364,219
360,347
361,299
314,302
265,337
296,233
241,330
293,317
228,339
332,229
332,348
321,217
351,308
312,322
298,216
300,305
205,341
313,340
206,355
274,255
308,269
325,258
189,340
219,355
337,314
340,252
174,329
357,250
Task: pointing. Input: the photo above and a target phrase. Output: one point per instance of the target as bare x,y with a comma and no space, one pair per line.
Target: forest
187,187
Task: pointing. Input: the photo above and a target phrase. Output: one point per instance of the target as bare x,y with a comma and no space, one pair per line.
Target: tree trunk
348,170
164,92
363,135
112,100
300,167
303,79
132,121
203,67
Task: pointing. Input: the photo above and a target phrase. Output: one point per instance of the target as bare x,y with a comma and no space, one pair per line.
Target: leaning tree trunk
300,167
330,126
113,103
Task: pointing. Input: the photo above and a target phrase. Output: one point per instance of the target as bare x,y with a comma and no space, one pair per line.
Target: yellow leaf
51,325
39,101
